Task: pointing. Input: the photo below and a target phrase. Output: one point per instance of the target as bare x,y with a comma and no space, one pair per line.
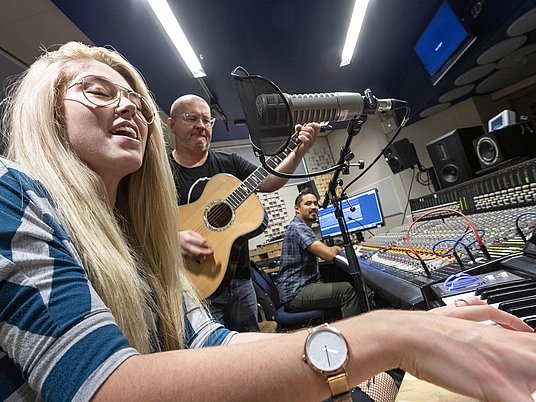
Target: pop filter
270,135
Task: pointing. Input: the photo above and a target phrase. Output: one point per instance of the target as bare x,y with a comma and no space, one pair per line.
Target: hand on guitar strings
194,245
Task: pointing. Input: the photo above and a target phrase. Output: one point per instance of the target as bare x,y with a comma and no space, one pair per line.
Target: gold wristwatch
326,352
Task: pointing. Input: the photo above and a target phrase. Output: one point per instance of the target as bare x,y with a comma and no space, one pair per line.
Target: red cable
416,254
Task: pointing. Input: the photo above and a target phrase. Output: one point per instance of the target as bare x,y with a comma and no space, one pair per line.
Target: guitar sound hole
219,215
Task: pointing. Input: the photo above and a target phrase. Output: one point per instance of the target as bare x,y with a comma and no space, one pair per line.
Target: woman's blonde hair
123,249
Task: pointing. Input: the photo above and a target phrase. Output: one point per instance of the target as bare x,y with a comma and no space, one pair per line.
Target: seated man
300,287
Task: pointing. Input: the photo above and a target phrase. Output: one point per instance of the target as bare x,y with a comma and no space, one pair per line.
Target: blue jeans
236,306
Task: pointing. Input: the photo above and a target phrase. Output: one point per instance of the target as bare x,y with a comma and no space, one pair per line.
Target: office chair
268,297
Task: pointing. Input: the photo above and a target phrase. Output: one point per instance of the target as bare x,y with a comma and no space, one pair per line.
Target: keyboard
509,286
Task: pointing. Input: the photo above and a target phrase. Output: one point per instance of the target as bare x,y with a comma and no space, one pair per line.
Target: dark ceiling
297,45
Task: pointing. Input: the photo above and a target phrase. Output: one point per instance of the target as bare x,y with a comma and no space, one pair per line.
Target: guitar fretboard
253,181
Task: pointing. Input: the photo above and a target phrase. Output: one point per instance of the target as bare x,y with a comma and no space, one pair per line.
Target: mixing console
513,186
501,208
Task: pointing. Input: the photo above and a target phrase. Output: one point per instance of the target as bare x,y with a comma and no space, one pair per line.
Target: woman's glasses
102,92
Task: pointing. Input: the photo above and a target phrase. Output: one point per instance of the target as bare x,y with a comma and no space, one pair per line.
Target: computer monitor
443,41
361,211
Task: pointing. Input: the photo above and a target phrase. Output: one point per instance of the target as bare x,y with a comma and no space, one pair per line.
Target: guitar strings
235,200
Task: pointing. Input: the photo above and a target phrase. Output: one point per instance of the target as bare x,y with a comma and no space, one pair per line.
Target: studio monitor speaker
453,156
517,140
400,155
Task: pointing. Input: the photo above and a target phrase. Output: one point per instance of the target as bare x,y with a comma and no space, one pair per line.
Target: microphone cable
380,155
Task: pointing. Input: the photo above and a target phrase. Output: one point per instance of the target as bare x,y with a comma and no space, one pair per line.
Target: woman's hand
474,309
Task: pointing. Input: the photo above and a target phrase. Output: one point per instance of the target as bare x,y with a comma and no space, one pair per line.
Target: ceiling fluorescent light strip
358,16
176,34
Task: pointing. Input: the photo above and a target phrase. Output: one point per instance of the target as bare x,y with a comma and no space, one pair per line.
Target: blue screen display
497,123
360,211
444,35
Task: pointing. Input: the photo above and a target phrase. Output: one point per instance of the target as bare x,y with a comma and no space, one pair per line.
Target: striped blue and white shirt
58,341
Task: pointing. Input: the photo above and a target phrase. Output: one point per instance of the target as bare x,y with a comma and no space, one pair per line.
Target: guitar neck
252,182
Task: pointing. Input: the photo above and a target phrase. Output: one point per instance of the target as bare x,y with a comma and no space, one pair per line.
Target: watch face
326,350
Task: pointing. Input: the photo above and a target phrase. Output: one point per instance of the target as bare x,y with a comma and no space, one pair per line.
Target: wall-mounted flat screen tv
443,42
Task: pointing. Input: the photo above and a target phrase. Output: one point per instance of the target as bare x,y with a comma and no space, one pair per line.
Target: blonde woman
94,303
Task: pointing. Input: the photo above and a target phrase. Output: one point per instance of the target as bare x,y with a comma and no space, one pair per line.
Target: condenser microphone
320,107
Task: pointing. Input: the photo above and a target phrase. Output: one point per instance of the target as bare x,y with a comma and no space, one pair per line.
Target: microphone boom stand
354,126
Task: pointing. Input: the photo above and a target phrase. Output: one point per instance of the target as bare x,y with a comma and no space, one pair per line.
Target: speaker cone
487,150
451,173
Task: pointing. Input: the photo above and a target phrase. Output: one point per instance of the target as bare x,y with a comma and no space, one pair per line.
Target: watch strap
340,390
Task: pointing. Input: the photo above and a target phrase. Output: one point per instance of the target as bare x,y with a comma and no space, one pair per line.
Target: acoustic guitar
226,216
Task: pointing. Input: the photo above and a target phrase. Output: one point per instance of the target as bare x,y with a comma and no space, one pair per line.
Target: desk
266,251
271,271
330,272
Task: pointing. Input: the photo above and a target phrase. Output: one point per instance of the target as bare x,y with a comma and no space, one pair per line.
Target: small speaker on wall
514,141
389,121
453,156
400,155
311,185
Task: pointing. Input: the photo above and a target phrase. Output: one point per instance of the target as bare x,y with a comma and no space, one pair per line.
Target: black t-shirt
190,183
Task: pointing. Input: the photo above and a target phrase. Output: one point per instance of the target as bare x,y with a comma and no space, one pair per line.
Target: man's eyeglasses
192,119
102,92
